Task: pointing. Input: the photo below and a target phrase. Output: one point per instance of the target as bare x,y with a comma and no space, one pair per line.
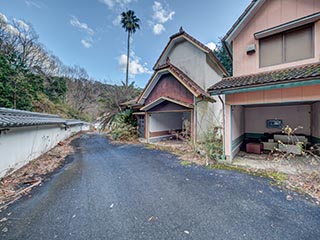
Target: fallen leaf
289,197
152,218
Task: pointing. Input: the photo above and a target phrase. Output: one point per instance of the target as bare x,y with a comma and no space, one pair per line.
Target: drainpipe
223,119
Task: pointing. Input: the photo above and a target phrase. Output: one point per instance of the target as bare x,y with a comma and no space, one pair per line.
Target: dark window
286,47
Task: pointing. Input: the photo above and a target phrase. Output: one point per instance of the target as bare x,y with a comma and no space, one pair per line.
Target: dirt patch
184,150
21,181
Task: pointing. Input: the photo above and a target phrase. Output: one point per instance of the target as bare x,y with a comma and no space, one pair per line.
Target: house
275,48
26,135
176,95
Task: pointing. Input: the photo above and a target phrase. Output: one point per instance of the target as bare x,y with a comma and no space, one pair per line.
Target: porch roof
163,99
295,75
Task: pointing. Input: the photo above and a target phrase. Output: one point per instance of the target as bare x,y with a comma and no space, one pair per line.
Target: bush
212,145
123,126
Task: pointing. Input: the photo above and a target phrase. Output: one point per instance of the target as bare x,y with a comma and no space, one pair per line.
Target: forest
34,79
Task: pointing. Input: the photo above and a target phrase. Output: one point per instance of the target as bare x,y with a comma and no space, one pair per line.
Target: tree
130,23
222,55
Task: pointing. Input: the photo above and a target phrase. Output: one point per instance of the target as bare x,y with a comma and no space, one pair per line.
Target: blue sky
87,32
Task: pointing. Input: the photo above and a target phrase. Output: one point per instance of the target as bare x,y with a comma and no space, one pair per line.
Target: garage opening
259,128
164,125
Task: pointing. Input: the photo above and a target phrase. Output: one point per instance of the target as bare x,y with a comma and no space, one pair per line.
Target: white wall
209,115
315,121
165,121
192,61
21,145
237,122
294,116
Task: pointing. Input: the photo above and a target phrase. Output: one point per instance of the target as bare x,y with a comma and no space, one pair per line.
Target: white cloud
21,24
113,3
211,45
117,21
158,29
3,18
83,26
31,3
135,67
86,43
160,14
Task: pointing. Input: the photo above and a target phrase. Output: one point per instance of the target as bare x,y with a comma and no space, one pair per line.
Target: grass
276,177
185,163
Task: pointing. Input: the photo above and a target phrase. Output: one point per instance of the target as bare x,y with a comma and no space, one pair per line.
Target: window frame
283,41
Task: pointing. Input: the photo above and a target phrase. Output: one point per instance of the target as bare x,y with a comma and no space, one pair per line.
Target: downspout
224,124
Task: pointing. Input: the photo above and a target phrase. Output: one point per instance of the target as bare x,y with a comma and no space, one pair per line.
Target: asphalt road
130,192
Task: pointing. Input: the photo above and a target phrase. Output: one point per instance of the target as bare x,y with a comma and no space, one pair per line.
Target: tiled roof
294,74
182,33
185,79
18,118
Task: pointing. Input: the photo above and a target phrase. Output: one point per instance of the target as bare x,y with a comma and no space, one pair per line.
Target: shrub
123,126
212,145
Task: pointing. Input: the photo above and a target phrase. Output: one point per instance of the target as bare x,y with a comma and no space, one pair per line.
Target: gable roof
288,75
182,35
240,23
187,82
163,99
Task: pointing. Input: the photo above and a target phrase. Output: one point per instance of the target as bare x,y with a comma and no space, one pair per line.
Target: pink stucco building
275,48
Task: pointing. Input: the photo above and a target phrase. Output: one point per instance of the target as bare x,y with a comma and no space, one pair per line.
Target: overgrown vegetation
294,146
212,145
123,126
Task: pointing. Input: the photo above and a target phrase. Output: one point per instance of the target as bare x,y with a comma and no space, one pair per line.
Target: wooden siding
164,133
282,95
168,86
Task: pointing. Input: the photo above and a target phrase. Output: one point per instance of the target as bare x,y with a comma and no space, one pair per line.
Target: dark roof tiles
300,73
18,118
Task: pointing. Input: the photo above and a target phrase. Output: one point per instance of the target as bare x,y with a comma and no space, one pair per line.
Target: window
286,47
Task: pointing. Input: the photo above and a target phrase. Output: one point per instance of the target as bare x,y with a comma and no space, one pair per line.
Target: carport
258,106
165,117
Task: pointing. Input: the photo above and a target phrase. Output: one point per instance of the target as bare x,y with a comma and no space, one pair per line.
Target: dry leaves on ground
308,183
21,181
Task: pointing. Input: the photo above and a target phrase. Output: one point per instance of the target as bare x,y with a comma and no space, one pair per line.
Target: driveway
130,192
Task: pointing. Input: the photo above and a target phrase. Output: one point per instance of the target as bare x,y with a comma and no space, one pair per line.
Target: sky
88,32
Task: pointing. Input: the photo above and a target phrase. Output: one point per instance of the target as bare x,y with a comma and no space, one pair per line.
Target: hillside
31,78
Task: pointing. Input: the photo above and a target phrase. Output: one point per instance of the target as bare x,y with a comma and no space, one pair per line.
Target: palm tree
130,23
